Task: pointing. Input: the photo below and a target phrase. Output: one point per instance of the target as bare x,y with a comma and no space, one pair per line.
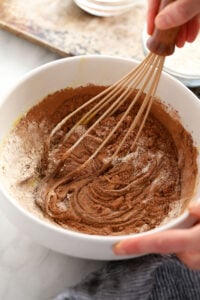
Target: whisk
145,77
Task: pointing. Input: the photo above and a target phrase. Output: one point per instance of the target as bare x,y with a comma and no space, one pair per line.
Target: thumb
194,209
177,13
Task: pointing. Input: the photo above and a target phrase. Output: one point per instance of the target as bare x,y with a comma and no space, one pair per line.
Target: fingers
153,6
177,13
180,42
185,243
194,209
163,242
193,27
188,32
172,241
191,259
180,12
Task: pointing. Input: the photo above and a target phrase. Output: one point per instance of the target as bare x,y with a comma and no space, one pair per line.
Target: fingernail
119,249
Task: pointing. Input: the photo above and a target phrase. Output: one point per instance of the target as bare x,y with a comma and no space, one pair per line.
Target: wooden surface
64,28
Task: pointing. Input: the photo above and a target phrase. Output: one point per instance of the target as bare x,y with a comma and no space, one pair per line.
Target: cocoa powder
139,190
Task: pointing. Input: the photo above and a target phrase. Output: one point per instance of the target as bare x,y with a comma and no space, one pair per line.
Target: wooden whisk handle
162,42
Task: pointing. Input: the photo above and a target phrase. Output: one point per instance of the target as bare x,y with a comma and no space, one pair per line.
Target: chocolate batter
135,192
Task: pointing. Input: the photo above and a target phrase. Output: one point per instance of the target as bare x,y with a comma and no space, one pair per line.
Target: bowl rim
56,228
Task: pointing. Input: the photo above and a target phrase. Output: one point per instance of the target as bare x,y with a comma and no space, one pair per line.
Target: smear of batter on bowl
142,188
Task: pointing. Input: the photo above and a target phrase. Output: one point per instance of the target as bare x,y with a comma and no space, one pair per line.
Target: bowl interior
79,71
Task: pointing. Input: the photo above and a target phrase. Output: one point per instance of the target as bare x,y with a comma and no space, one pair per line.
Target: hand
181,12
185,243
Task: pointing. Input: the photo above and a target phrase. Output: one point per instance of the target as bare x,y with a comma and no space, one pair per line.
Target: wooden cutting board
64,28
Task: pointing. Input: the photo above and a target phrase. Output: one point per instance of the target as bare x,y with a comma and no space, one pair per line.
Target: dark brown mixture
134,194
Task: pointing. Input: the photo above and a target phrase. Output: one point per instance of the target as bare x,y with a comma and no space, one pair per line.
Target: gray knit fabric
151,277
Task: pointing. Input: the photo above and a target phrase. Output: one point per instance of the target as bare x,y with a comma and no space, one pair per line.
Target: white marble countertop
29,271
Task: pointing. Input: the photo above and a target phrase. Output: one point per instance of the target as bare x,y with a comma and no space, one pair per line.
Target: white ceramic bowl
74,72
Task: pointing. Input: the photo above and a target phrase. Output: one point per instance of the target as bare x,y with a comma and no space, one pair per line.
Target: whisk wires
145,76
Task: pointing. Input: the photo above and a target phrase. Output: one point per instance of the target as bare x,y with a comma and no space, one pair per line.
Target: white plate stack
106,8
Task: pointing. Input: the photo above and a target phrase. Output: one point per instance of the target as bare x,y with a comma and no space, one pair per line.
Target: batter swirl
134,194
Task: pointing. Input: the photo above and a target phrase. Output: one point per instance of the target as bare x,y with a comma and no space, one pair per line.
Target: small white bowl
183,64
74,72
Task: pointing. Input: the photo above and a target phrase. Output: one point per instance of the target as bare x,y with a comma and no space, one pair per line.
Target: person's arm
181,12
185,243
